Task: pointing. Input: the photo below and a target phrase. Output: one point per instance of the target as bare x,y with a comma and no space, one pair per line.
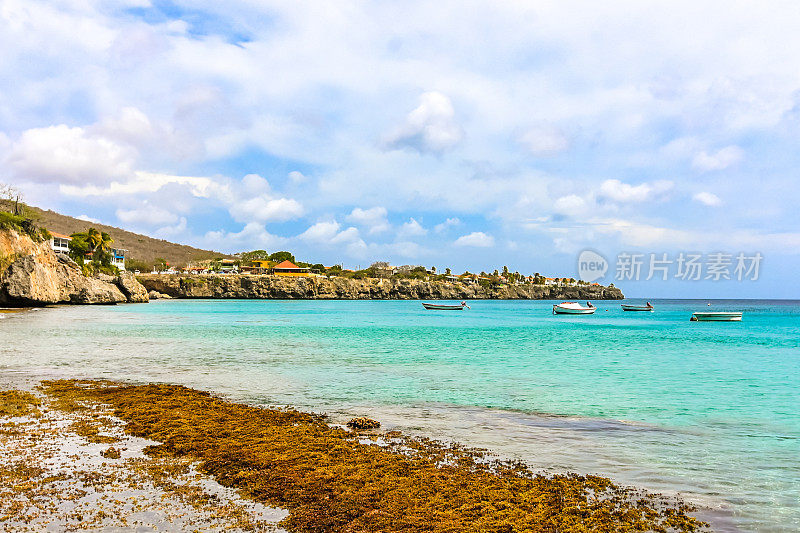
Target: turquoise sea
707,410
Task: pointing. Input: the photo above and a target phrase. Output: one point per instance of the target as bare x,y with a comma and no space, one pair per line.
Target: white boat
629,307
718,316
573,308
444,307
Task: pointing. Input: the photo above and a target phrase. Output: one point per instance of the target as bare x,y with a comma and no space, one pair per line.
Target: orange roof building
287,268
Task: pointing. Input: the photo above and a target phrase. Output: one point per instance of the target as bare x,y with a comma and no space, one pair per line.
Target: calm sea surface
707,410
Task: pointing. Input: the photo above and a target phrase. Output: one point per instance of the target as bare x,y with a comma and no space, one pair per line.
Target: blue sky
508,133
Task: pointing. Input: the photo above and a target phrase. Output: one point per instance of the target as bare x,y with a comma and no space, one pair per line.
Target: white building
118,258
60,243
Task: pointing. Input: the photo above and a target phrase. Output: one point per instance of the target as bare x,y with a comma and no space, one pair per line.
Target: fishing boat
573,308
444,307
718,316
629,307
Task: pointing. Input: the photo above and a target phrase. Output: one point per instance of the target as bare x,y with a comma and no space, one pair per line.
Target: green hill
139,247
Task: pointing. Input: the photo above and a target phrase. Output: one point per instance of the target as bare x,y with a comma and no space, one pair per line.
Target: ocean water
710,411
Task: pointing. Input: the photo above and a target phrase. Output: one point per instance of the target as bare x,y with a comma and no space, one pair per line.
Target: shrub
23,225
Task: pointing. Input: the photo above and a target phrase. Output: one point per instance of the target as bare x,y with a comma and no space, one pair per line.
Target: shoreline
316,436
247,286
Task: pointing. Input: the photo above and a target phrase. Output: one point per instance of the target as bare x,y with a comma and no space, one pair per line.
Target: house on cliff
287,268
59,243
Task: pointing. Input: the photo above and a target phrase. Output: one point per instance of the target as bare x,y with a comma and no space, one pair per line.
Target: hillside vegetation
139,247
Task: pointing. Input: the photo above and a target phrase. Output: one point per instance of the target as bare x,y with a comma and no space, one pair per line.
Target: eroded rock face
268,287
132,289
34,276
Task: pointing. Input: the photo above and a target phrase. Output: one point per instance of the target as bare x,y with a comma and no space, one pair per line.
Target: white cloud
544,141
447,224
719,160
253,236
707,198
146,182
569,205
328,232
87,218
265,209
171,232
618,191
297,177
476,238
412,228
431,127
373,218
62,154
148,215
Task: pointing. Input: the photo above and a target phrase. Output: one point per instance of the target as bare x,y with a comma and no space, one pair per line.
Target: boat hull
440,307
735,316
626,307
572,311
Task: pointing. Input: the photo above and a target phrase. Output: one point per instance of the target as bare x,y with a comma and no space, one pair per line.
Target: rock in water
362,422
132,289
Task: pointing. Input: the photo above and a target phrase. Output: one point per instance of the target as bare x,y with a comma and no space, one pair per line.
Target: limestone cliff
266,287
32,275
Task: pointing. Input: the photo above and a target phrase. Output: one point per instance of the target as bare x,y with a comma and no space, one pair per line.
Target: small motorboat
444,307
573,308
719,316
629,307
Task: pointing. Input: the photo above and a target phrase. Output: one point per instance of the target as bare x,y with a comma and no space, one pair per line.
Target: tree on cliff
279,257
92,243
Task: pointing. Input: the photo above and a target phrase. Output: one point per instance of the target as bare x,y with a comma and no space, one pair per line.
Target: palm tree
104,246
93,239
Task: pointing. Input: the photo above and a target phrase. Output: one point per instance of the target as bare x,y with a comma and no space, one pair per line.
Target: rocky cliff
32,275
245,286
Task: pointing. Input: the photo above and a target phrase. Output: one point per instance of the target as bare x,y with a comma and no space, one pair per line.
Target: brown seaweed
330,480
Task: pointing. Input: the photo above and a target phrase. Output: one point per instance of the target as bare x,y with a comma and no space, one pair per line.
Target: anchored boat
629,307
719,316
573,308
443,307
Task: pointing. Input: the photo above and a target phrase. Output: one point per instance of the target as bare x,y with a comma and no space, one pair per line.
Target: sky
471,135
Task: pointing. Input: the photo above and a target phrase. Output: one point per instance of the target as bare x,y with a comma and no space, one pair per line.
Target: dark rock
362,422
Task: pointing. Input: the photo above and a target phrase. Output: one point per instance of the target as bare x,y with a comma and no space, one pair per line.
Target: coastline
328,477
244,286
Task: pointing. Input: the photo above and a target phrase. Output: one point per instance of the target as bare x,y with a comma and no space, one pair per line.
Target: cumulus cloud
266,209
67,155
253,236
373,218
544,141
478,239
412,228
707,198
569,205
431,127
618,191
297,177
87,218
448,223
146,215
330,232
719,160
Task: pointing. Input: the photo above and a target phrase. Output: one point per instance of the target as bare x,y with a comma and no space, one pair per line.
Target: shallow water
709,410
